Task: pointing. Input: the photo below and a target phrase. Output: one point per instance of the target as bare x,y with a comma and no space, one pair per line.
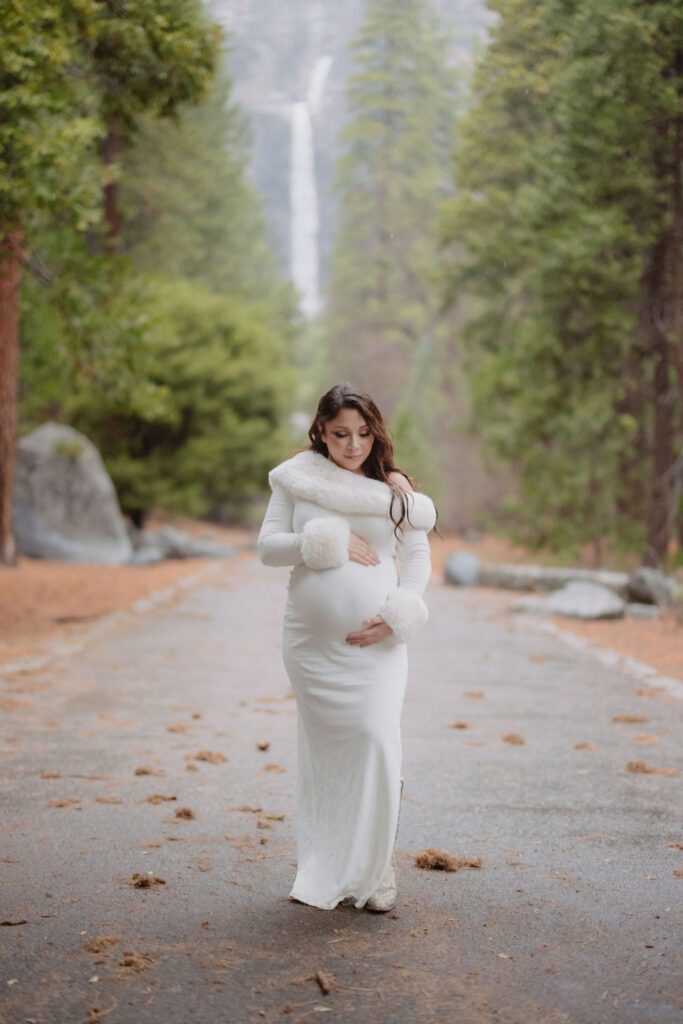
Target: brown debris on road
101,943
640,767
149,881
436,859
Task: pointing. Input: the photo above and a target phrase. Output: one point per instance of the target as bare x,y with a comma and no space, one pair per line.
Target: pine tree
385,305
568,254
48,126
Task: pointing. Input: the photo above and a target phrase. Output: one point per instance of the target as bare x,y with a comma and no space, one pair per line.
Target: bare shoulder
400,480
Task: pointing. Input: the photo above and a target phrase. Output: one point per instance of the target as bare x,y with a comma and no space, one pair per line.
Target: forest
505,275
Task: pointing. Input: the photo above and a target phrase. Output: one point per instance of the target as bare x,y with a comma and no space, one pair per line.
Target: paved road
574,915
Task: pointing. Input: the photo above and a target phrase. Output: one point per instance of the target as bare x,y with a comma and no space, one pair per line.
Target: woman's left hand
377,630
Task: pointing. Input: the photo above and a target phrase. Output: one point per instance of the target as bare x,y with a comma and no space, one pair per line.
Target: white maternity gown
349,698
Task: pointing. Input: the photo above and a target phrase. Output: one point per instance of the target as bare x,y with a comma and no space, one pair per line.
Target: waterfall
304,193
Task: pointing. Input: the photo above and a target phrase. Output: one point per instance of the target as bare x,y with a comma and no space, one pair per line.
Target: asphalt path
573,916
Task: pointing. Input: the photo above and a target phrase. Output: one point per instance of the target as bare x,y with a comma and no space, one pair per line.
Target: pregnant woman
339,513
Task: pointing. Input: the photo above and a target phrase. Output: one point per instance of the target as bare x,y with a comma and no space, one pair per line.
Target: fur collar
312,477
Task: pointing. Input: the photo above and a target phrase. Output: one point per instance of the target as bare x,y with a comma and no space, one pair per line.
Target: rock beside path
65,504
462,568
578,599
153,546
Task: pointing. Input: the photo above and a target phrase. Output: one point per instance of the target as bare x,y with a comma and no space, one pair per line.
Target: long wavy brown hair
380,462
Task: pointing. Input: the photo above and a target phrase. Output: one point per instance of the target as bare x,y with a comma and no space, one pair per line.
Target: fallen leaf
458,725
630,718
157,798
63,802
273,768
134,963
324,981
139,881
247,808
108,800
102,943
11,704
474,694
263,744
678,873
585,745
50,775
646,769
181,727
184,813
211,756
644,738
10,923
436,859
148,771
514,738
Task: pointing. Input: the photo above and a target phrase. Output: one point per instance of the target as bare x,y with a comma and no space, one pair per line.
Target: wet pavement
574,915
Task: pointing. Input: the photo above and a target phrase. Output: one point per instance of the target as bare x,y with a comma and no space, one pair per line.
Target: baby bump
334,602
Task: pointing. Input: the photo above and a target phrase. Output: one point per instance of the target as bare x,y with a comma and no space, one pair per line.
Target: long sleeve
322,544
277,543
404,609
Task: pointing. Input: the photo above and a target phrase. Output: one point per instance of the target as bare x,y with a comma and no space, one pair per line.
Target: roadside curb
638,670
65,648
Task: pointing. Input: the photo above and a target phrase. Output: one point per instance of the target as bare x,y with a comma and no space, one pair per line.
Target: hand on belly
337,602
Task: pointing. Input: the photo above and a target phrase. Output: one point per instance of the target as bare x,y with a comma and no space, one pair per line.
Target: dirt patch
436,859
184,814
45,601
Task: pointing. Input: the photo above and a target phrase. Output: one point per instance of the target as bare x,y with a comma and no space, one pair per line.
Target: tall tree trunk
659,516
10,282
112,212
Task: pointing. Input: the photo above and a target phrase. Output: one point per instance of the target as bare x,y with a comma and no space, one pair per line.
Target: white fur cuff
405,611
326,542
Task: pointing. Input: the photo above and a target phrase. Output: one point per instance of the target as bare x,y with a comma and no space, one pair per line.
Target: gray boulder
462,569
578,600
65,504
637,610
170,542
650,586
534,577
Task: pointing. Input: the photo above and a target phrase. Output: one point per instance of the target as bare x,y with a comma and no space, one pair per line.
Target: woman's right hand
361,552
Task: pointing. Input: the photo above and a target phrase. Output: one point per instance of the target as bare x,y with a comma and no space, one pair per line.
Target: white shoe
384,897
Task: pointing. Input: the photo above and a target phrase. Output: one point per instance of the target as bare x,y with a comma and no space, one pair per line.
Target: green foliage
48,120
185,179
385,312
147,57
174,355
565,189
223,378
